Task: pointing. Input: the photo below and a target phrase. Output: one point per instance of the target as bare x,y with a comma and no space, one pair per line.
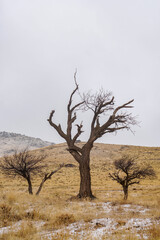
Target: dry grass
41,216
26,232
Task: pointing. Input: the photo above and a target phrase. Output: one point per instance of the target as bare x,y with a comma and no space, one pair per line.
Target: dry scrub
53,215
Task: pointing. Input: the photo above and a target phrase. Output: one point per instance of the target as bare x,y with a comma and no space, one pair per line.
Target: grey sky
113,44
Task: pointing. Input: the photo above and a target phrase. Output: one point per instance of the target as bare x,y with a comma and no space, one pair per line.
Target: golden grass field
55,215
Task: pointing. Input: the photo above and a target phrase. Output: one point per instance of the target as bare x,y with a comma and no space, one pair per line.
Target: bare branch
115,177
79,132
113,124
71,96
135,182
126,105
56,127
128,172
23,165
48,176
101,104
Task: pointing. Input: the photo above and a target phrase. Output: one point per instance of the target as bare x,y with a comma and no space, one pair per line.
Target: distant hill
102,155
11,141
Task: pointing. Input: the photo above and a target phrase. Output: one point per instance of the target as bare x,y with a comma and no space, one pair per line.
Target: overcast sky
113,44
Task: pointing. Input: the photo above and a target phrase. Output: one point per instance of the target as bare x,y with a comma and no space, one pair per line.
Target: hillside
101,153
11,141
102,157
56,214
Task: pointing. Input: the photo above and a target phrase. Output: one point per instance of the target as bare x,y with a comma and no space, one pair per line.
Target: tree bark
125,190
99,103
40,186
85,179
29,186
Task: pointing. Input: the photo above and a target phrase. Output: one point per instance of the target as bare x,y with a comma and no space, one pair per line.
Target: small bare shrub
60,220
7,214
64,219
128,173
35,215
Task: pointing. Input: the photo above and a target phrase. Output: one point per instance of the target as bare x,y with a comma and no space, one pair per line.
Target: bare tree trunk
29,186
99,104
85,179
40,186
125,190
46,177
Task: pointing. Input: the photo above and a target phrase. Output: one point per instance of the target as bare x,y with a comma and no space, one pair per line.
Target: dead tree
128,173
26,165
46,177
23,165
100,104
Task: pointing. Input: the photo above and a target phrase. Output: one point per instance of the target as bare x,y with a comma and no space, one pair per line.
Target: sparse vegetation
25,165
47,176
26,232
53,215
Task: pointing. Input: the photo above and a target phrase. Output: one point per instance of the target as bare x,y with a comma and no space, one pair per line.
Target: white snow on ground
108,207
98,227
138,223
15,227
10,228
101,226
129,207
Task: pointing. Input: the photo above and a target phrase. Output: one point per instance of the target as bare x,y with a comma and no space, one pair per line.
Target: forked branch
56,127
47,176
116,121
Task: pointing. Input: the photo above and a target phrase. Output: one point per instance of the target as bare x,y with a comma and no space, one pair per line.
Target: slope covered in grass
54,215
